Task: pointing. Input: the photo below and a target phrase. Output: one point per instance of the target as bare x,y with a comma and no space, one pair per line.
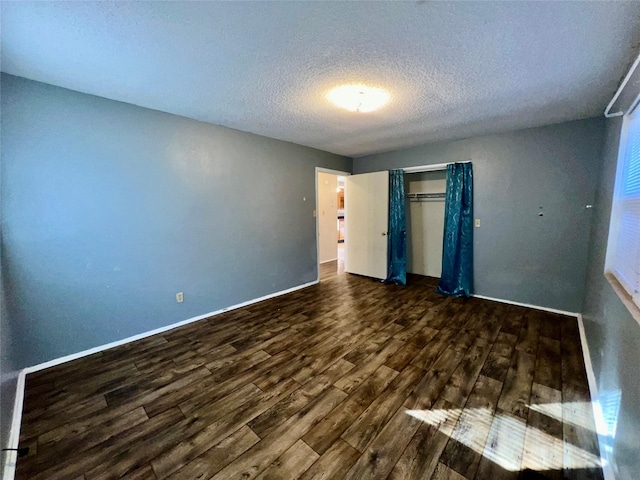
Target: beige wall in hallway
327,216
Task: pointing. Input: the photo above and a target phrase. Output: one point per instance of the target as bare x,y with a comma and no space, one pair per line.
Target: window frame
629,297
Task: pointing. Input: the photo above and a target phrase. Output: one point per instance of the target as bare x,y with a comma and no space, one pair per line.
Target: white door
366,208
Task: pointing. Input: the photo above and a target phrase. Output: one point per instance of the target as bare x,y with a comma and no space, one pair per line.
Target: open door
366,203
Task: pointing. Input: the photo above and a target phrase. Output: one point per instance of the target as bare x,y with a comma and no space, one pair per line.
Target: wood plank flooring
333,267
328,269
348,379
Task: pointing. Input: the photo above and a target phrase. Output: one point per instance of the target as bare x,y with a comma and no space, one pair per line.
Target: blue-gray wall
8,369
612,333
519,255
110,209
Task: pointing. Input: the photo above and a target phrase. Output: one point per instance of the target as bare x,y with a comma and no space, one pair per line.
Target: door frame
332,172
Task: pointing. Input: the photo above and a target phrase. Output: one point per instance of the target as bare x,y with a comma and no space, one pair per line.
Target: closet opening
424,208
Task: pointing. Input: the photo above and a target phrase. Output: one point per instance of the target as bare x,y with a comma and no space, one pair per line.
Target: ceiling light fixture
358,97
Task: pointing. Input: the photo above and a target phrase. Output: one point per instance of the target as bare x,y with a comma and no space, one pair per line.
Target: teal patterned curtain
457,251
397,236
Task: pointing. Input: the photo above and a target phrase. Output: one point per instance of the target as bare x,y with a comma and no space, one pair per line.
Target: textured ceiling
454,69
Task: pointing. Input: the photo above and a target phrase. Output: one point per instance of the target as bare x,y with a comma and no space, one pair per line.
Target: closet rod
430,168
425,195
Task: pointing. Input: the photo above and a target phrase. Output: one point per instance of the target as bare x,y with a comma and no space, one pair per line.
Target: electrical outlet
477,222
179,297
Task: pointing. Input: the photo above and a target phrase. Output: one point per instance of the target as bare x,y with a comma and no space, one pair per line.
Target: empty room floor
349,379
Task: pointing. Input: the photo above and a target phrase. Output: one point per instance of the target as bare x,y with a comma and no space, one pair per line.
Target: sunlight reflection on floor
576,413
510,442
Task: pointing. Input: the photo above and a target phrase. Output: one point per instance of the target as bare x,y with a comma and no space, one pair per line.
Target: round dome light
358,98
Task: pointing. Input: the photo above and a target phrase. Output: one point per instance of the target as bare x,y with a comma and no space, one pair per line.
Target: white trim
622,282
331,260
607,114
626,299
332,172
340,173
10,458
74,356
614,221
634,105
431,168
9,466
607,468
528,305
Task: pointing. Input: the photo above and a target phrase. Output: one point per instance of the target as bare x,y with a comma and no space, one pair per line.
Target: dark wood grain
350,378
367,426
322,436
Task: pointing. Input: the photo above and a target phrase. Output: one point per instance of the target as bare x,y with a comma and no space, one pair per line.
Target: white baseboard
11,457
91,351
327,261
607,468
8,470
535,307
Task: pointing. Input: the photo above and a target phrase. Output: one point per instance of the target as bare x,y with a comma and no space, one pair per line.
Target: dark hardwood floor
348,379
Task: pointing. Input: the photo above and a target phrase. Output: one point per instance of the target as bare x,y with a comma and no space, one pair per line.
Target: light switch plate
477,222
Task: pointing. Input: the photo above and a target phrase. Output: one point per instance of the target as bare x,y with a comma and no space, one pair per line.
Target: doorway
330,222
367,220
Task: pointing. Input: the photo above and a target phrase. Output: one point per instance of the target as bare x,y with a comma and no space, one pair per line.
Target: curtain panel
457,253
397,235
